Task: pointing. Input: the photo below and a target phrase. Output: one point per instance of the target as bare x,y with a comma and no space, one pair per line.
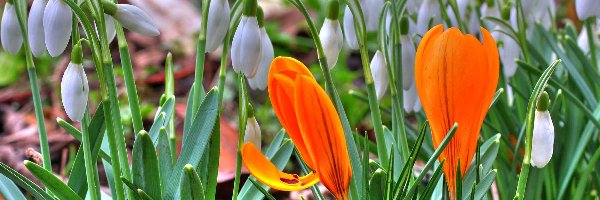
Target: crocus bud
246,46
412,103
587,9
331,34
57,26
372,11
408,61
35,25
259,81
349,32
252,133
131,17
10,35
74,87
218,22
380,75
543,134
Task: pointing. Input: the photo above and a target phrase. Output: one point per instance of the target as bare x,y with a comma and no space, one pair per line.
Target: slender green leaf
433,181
164,114
58,188
165,162
191,186
24,183
145,170
143,195
377,184
9,190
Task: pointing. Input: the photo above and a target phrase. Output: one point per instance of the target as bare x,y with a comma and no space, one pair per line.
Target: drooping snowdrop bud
543,134
259,81
218,22
131,17
10,35
349,32
111,32
428,12
331,34
57,26
253,133
408,55
587,9
246,46
74,86
35,25
509,51
510,95
412,103
583,40
380,75
372,11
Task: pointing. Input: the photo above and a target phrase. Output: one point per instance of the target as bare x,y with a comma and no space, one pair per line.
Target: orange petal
323,135
267,173
282,75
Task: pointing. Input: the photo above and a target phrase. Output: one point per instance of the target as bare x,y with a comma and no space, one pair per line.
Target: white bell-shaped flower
509,52
135,19
246,47
259,81
371,11
349,32
489,11
380,75
429,9
332,39
510,95
412,103
412,6
57,26
10,33
218,23
543,134
35,25
253,133
111,32
583,40
587,9
408,61
74,87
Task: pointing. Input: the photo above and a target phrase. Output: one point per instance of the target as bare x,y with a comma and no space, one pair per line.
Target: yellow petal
267,173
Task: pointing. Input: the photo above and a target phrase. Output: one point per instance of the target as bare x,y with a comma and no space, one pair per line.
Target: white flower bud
349,32
509,52
218,22
74,91
412,103
408,61
10,35
380,75
587,9
35,25
111,32
135,19
57,26
429,9
333,39
259,81
543,139
253,133
246,47
372,10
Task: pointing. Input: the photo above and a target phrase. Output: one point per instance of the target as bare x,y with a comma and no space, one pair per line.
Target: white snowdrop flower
583,40
259,81
74,87
429,9
412,103
131,17
10,34
543,134
372,10
246,46
35,25
333,39
510,95
111,32
349,32
408,55
587,9
218,23
489,10
380,75
412,6
57,26
253,133
509,52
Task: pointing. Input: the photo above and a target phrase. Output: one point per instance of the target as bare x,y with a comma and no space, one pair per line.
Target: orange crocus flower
312,122
456,77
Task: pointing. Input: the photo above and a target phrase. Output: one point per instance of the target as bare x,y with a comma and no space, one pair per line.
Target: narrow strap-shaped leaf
165,163
262,190
52,183
189,116
165,112
24,183
377,184
9,190
145,170
143,195
191,186
433,181
131,186
484,185
408,166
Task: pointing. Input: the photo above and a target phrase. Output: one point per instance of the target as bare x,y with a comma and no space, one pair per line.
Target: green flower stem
531,106
522,31
132,94
361,34
590,35
35,90
243,119
91,167
200,58
170,91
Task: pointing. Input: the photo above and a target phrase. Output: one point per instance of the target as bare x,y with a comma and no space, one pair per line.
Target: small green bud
333,9
250,110
505,12
260,15
109,7
250,7
404,25
490,3
77,54
544,102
